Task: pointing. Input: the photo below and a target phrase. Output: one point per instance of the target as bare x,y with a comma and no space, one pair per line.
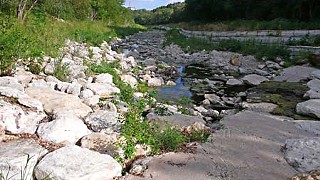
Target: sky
149,4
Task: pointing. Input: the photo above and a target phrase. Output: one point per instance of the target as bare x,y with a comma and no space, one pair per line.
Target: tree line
107,10
221,10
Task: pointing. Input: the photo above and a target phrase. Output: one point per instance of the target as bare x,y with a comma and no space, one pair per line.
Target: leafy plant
61,71
162,110
170,139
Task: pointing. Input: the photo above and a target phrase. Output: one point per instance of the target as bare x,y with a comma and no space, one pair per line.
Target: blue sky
149,4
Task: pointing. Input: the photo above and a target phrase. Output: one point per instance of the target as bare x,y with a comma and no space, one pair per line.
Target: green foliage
307,40
142,87
35,68
250,47
61,71
200,136
170,139
162,110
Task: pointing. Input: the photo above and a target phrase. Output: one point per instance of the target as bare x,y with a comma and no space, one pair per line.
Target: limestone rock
92,101
65,128
254,79
73,162
12,82
74,88
316,74
132,81
259,107
41,83
103,89
59,103
309,108
23,77
213,98
155,82
234,82
104,121
295,74
303,154
87,93
171,83
14,157
17,121
102,143
104,78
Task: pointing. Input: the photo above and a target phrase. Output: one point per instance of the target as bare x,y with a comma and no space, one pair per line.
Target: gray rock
254,79
102,143
140,166
213,98
314,84
17,121
19,156
295,74
104,121
104,78
261,72
259,107
155,82
234,82
316,74
103,89
12,82
309,126
309,108
303,154
73,162
64,128
59,103
312,94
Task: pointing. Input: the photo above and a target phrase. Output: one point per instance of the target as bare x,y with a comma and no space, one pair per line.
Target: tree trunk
22,9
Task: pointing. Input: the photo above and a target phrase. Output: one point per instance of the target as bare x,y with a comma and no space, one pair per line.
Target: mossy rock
285,94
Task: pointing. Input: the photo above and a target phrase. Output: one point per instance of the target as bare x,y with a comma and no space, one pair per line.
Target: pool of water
173,93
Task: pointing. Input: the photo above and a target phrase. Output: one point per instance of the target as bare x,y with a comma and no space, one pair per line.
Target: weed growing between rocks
61,71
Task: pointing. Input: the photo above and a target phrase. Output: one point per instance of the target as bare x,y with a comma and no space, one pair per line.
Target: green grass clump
249,47
61,71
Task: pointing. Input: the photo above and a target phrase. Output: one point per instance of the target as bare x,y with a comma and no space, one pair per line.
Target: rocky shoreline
69,129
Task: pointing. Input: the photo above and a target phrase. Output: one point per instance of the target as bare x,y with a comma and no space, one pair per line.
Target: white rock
92,101
104,78
95,50
234,82
59,103
309,108
155,82
171,83
11,82
303,154
41,83
200,109
65,128
254,79
213,98
138,95
129,79
14,157
23,77
146,77
87,93
73,162
74,88
103,89
17,121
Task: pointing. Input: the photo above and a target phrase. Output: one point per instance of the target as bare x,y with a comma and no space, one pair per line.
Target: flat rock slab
303,154
295,74
309,108
73,162
15,154
248,148
55,102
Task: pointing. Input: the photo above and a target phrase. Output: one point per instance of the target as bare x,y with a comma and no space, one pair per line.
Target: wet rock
102,143
104,121
59,103
73,162
254,79
19,156
309,108
64,128
303,154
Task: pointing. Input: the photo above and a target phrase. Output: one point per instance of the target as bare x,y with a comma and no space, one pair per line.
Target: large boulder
102,143
104,121
59,103
254,79
103,89
11,82
295,74
155,82
73,162
65,128
16,121
19,157
303,154
309,108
